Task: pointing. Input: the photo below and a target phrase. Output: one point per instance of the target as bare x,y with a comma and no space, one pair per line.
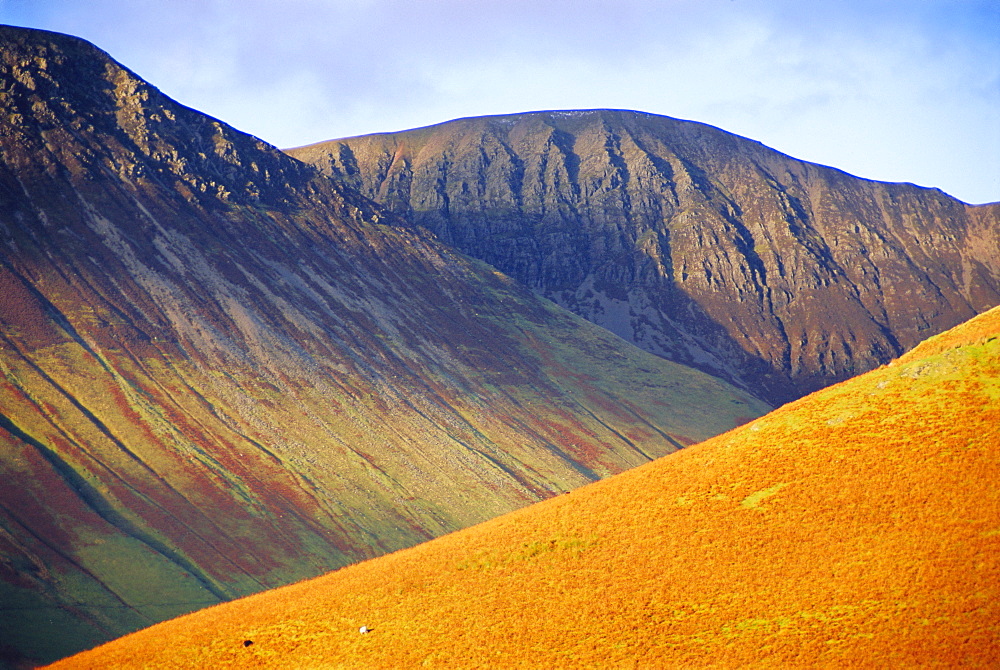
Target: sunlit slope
221,372
859,526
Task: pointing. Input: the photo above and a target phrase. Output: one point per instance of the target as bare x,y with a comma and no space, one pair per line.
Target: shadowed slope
698,245
857,527
222,371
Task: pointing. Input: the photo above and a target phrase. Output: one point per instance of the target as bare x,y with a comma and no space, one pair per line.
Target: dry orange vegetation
859,526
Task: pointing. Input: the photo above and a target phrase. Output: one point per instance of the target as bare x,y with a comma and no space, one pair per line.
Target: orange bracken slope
859,526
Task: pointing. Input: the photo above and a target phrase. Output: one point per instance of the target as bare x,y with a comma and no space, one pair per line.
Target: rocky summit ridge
707,248
221,371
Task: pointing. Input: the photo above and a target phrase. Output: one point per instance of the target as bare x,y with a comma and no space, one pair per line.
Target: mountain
223,371
856,527
695,244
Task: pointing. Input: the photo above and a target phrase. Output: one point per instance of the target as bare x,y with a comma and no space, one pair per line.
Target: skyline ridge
573,112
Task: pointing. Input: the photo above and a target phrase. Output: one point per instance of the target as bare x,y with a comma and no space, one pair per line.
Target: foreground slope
221,371
695,244
857,527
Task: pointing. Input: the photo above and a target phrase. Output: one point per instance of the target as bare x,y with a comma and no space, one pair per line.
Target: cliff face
223,371
695,244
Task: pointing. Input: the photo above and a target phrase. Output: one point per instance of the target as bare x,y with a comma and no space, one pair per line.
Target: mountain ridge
512,116
691,242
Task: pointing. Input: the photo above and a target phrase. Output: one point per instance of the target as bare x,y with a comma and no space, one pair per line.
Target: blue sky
897,90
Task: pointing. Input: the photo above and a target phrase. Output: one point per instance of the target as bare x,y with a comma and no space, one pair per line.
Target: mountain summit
695,244
221,371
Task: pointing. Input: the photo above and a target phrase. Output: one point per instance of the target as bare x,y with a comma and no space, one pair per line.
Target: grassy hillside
857,527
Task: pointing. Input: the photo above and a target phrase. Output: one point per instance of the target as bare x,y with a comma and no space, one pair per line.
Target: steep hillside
222,371
695,244
857,527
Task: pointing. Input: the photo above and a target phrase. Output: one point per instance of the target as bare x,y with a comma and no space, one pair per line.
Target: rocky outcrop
221,371
693,243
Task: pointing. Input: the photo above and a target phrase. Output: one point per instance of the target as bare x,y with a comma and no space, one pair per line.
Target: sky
894,90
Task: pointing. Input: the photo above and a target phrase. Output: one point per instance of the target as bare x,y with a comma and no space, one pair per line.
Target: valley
224,372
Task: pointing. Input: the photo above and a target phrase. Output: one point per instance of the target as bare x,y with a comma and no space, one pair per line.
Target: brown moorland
859,526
